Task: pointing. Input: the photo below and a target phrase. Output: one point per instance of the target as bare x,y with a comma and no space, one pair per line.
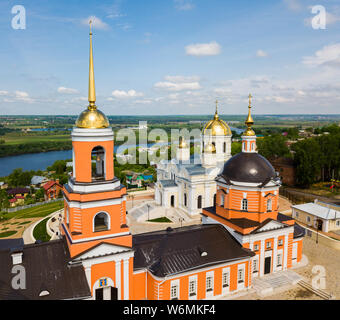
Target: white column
262,258
275,254
118,279
285,253
126,279
88,275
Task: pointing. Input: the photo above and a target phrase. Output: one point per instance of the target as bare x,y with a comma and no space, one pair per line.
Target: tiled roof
47,269
174,251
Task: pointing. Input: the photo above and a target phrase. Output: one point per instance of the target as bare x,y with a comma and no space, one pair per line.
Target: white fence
30,205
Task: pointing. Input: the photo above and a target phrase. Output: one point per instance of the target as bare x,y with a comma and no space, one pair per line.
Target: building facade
188,183
247,205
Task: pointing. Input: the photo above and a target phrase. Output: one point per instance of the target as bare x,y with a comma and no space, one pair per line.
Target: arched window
199,202
224,147
269,205
185,199
101,222
98,163
222,200
244,205
214,199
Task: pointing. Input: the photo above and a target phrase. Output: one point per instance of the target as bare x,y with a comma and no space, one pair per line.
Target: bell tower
94,199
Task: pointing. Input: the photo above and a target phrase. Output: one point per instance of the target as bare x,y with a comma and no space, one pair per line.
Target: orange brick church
241,237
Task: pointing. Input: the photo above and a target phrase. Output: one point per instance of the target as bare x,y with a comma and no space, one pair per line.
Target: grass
25,222
40,232
12,139
36,212
7,234
161,219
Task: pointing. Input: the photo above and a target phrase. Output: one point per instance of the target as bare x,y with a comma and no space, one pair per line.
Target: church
184,184
242,234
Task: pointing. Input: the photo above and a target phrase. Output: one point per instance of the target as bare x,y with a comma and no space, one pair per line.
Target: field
14,139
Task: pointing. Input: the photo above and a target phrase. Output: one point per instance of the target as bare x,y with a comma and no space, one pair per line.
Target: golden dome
217,127
182,143
249,122
92,118
209,148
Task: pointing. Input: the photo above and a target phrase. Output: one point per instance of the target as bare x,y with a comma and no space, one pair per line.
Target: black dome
249,167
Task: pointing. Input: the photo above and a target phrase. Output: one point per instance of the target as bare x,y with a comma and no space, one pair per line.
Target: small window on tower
98,160
101,222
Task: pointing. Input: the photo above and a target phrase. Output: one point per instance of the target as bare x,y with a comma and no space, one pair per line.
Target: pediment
271,225
102,249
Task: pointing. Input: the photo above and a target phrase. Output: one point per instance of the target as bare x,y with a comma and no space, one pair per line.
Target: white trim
118,279
126,279
209,274
195,279
226,289
88,188
94,204
175,283
97,237
92,135
108,223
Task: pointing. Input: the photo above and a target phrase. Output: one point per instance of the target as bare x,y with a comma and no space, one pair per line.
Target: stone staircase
279,281
322,294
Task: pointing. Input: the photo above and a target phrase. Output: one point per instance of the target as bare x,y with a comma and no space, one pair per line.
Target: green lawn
36,212
7,234
40,233
161,219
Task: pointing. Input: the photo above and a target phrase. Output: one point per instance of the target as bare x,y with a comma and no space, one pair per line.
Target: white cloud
64,90
97,23
261,54
293,5
22,96
4,93
184,5
328,55
203,49
121,94
178,83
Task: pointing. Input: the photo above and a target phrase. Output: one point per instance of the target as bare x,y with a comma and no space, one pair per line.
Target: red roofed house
52,189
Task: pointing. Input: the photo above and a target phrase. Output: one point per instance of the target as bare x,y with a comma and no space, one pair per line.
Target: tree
19,178
236,147
308,161
273,146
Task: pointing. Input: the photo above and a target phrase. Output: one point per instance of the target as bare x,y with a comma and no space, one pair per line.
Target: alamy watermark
19,19
319,21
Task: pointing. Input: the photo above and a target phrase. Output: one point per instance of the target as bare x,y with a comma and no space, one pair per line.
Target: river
40,161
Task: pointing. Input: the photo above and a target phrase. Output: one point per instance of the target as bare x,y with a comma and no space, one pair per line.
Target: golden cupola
249,122
217,127
182,143
92,118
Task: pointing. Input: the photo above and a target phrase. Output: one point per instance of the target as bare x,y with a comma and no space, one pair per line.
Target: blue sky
171,57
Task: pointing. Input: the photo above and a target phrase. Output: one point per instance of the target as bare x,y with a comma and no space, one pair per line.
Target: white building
189,186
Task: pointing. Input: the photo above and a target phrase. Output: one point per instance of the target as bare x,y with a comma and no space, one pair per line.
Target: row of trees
316,158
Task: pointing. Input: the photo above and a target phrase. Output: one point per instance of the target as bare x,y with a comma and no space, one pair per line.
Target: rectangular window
174,292
255,265
209,283
279,260
240,276
268,245
296,214
338,223
256,247
308,218
280,242
225,279
192,288
244,205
